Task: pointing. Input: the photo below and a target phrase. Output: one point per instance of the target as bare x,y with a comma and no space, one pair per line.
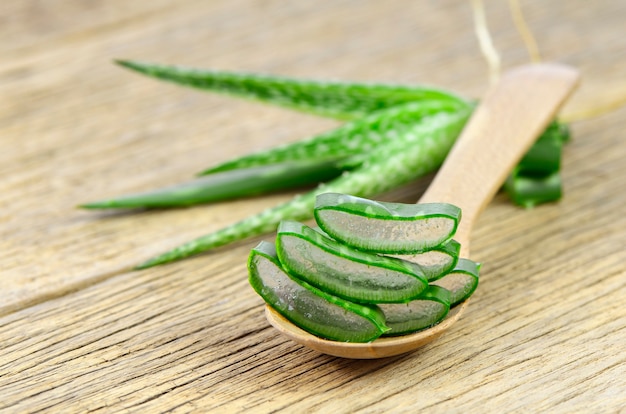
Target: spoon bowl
503,127
380,348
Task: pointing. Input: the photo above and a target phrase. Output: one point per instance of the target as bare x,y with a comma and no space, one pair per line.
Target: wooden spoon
509,119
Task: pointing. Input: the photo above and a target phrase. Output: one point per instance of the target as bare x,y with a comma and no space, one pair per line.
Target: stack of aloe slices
393,135
345,282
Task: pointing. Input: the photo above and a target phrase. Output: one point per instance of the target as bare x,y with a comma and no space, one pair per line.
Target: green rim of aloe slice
381,227
309,308
462,281
343,271
422,313
437,262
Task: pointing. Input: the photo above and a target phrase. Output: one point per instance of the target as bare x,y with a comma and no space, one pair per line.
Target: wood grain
545,329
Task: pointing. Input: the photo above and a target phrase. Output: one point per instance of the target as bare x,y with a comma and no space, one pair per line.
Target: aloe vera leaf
356,137
419,151
431,127
462,281
341,100
437,262
298,163
382,227
343,271
422,313
531,191
309,308
228,185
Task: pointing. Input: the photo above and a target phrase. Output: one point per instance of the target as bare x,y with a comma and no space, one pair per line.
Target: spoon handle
504,126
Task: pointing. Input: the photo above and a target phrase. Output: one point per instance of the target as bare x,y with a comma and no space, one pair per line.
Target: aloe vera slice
309,308
382,227
530,191
343,271
424,312
228,185
437,262
536,179
461,281
340,100
544,157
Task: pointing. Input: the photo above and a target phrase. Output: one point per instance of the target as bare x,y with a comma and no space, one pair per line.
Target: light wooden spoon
511,116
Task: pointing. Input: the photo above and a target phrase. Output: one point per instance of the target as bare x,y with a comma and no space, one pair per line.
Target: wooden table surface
545,331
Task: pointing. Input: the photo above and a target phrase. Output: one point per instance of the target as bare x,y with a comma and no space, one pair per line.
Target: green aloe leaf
341,100
417,152
306,162
353,140
228,185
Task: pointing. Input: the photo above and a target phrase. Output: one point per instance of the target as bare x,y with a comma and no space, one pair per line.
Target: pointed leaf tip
132,65
147,264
